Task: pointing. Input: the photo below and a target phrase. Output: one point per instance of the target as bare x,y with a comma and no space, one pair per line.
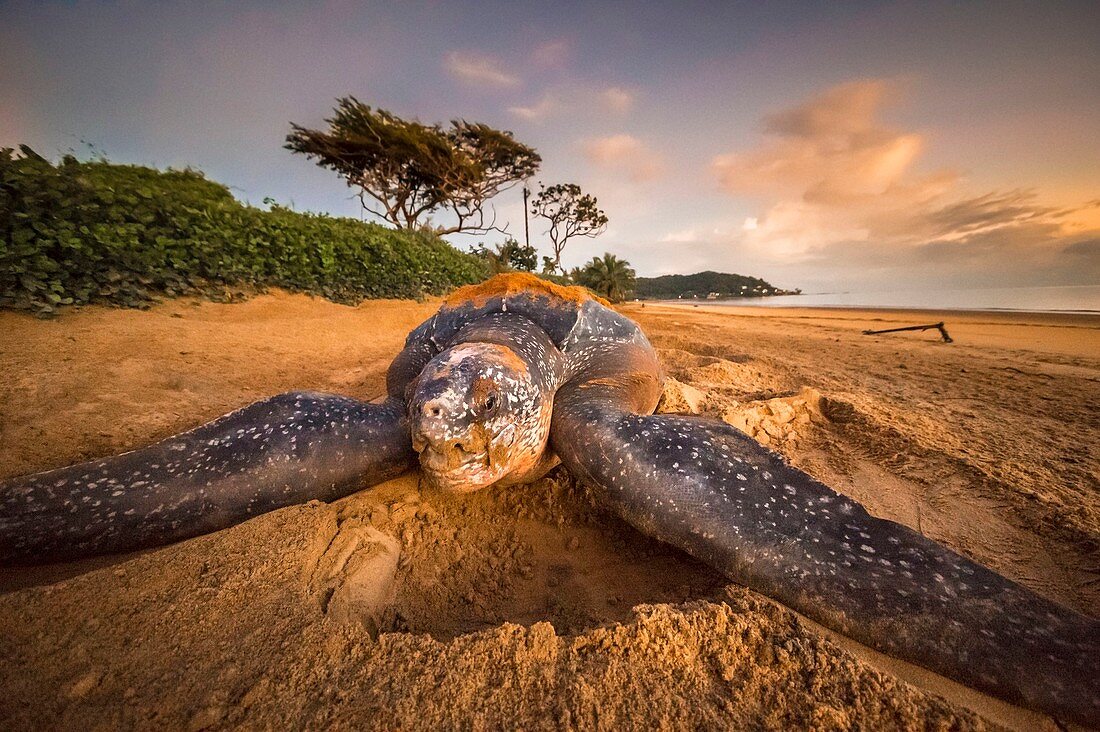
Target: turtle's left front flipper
712,491
288,449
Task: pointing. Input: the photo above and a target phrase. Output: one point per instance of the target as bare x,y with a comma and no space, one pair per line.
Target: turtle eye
490,403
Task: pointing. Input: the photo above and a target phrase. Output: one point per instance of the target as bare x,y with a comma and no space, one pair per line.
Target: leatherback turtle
505,380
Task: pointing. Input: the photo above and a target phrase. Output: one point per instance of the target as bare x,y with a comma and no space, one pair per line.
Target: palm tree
608,276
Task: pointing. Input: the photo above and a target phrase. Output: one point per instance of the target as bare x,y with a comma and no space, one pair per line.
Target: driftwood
939,326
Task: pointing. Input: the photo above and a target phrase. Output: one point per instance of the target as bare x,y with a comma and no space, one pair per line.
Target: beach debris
939,326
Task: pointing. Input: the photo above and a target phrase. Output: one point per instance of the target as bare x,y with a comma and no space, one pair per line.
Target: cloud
1087,248
845,109
576,99
830,149
479,69
546,106
837,187
624,153
617,99
680,236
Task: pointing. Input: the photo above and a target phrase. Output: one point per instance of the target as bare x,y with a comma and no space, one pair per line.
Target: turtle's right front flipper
714,492
278,452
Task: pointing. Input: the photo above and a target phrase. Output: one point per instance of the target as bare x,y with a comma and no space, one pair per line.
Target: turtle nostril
460,446
435,411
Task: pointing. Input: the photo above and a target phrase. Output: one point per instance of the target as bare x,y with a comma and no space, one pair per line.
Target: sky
826,146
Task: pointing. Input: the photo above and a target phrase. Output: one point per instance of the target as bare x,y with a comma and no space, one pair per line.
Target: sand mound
680,398
782,422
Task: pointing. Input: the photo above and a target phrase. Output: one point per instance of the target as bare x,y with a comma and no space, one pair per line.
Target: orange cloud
834,176
625,153
617,99
830,149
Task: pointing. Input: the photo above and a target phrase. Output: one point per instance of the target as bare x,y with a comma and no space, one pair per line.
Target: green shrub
95,232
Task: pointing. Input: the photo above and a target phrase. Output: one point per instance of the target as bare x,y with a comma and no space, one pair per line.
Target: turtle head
478,417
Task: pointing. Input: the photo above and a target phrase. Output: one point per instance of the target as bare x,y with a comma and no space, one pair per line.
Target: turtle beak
445,444
447,458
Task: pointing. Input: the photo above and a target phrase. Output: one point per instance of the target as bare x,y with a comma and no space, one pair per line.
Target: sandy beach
530,607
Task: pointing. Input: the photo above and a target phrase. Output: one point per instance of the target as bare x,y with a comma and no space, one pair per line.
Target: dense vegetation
701,285
82,232
608,276
508,256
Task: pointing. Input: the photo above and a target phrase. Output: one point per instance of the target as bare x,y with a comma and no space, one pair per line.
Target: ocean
1071,299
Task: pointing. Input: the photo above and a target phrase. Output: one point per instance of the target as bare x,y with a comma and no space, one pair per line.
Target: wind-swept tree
608,276
570,213
406,170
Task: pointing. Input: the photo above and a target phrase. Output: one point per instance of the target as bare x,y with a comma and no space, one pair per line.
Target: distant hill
704,285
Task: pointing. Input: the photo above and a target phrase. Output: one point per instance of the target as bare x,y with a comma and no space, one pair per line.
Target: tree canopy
509,256
608,276
406,170
570,213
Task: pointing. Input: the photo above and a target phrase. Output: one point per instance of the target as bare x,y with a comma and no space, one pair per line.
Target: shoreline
1075,299
726,306
1013,334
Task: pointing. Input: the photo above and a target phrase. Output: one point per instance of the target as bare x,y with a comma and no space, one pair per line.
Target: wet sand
529,607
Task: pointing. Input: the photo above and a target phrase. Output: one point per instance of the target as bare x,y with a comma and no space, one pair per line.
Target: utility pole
526,231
